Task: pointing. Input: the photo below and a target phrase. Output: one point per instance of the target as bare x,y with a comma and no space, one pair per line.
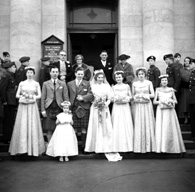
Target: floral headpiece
98,71
118,72
65,103
163,76
143,68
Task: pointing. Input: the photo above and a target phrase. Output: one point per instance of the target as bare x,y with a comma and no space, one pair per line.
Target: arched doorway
92,27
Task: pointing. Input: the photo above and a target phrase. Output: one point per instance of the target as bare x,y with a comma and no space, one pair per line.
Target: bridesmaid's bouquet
27,98
121,99
100,104
167,104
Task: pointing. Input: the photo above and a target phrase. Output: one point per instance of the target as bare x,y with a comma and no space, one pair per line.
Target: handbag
80,112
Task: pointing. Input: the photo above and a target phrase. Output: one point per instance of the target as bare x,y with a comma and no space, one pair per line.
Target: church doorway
92,26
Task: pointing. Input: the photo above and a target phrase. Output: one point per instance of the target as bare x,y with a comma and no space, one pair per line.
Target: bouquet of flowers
167,104
100,104
121,99
26,98
141,98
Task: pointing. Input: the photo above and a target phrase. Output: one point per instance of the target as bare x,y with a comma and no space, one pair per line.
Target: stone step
186,135
185,127
188,154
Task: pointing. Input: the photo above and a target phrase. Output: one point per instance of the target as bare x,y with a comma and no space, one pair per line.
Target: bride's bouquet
100,104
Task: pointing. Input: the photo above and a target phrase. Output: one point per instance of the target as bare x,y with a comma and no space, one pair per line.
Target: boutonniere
68,62
60,87
84,89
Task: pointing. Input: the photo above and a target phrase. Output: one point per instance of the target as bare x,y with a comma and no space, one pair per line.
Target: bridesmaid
144,123
27,136
121,115
168,134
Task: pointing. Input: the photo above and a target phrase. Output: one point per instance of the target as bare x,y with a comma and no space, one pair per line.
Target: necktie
78,83
54,85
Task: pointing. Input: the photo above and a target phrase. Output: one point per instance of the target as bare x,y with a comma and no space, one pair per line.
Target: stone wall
130,31
54,19
184,27
4,26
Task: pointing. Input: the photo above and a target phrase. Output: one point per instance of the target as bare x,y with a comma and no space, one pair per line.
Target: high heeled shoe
66,159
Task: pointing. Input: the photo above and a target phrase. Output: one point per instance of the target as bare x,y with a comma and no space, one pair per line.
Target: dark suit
9,108
192,102
128,72
20,74
69,70
153,74
44,74
108,70
174,79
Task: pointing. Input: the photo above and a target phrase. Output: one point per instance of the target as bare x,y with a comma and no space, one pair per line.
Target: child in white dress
63,142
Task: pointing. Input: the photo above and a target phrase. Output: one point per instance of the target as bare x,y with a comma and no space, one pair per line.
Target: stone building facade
136,27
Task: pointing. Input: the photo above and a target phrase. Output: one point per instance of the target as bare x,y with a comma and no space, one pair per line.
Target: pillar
158,30
130,30
25,31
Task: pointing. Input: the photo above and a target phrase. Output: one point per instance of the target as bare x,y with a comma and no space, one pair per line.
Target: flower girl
63,142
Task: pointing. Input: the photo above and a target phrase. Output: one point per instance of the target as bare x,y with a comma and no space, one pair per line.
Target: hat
177,55
5,54
163,76
123,57
170,56
24,59
45,58
9,64
151,57
119,71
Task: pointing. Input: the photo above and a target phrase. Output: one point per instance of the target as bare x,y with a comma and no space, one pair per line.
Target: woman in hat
63,142
79,63
27,135
121,115
126,67
144,122
99,134
168,133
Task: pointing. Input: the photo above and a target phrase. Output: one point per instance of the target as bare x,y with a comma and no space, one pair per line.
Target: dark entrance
90,46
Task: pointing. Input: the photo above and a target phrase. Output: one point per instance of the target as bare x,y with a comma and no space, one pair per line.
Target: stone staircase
186,134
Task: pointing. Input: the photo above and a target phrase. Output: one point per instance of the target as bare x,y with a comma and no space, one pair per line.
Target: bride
99,135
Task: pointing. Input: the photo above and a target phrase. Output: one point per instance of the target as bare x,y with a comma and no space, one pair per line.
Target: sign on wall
51,47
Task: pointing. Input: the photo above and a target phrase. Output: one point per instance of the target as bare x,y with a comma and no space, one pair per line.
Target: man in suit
80,98
65,68
192,98
10,102
21,73
106,66
54,92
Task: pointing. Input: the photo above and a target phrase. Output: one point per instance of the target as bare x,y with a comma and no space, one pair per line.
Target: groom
80,98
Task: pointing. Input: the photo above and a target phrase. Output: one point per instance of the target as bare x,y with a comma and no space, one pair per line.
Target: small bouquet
167,104
26,98
121,99
100,104
141,98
